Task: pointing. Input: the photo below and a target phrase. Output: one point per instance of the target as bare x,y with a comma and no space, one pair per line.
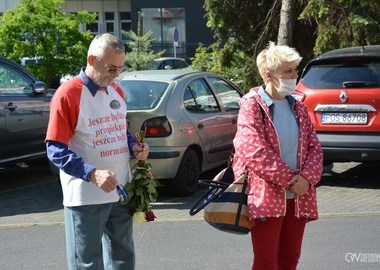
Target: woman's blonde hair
275,56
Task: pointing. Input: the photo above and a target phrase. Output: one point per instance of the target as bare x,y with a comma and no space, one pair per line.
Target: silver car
190,121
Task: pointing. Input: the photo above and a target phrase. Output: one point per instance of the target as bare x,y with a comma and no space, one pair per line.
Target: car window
189,100
168,64
141,95
158,65
339,75
180,64
198,97
228,95
12,81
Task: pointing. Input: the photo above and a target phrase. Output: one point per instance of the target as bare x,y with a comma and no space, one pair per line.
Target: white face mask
287,87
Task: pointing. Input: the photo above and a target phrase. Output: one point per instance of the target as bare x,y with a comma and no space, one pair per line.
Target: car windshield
142,95
343,75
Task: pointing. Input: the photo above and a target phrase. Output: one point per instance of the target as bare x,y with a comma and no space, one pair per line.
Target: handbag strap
214,184
215,190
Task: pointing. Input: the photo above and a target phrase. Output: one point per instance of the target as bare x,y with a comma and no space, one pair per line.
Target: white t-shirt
99,137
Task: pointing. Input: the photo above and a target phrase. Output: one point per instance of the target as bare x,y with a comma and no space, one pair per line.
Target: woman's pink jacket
257,152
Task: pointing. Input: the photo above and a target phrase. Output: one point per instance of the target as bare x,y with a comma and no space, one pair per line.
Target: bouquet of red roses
142,190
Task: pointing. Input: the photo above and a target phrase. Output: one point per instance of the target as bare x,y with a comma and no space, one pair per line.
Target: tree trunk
285,31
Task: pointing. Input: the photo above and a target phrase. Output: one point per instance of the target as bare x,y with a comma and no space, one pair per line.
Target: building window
163,21
94,26
125,23
109,19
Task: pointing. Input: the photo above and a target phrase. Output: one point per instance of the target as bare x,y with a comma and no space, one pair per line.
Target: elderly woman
277,146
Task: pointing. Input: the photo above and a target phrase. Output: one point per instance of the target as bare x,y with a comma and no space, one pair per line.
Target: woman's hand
299,185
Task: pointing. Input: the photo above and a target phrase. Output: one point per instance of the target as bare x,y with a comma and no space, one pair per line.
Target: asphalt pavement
340,193
335,243
346,236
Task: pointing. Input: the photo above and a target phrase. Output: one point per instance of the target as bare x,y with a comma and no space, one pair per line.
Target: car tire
186,180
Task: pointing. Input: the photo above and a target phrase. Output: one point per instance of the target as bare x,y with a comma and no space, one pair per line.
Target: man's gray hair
102,42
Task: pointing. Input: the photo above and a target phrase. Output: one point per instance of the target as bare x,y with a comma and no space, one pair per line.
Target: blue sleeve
65,159
131,142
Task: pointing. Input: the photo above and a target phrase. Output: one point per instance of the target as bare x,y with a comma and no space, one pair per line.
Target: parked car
190,121
341,89
170,63
24,112
55,81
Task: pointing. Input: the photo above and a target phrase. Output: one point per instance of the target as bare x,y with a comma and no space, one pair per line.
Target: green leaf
139,191
151,188
138,176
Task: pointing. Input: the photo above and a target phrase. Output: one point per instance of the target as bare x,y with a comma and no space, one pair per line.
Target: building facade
178,26
173,22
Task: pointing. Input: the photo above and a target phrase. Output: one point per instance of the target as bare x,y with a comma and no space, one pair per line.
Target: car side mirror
39,87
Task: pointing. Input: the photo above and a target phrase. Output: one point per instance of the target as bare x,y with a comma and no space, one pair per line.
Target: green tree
215,59
140,55
246,31
39,28
343,23
244,27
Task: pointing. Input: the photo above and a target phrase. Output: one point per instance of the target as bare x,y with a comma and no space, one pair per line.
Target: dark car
190,120
341,89
24,112
54,81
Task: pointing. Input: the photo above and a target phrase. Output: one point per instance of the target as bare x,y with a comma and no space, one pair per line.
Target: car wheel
186,180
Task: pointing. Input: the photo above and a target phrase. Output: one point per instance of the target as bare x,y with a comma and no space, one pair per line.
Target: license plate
344,118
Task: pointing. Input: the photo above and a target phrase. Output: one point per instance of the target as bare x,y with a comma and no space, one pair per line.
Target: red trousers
277,241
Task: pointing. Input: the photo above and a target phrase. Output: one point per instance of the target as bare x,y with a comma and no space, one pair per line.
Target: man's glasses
111,69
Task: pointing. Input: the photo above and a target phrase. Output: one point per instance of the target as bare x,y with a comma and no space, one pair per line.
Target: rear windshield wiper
360,84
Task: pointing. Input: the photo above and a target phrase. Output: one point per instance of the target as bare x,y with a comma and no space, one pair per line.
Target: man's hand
299,185
141,151
104,179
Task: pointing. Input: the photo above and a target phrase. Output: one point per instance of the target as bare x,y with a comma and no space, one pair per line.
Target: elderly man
88,140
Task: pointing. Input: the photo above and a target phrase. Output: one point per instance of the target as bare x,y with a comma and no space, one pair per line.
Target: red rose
150,216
